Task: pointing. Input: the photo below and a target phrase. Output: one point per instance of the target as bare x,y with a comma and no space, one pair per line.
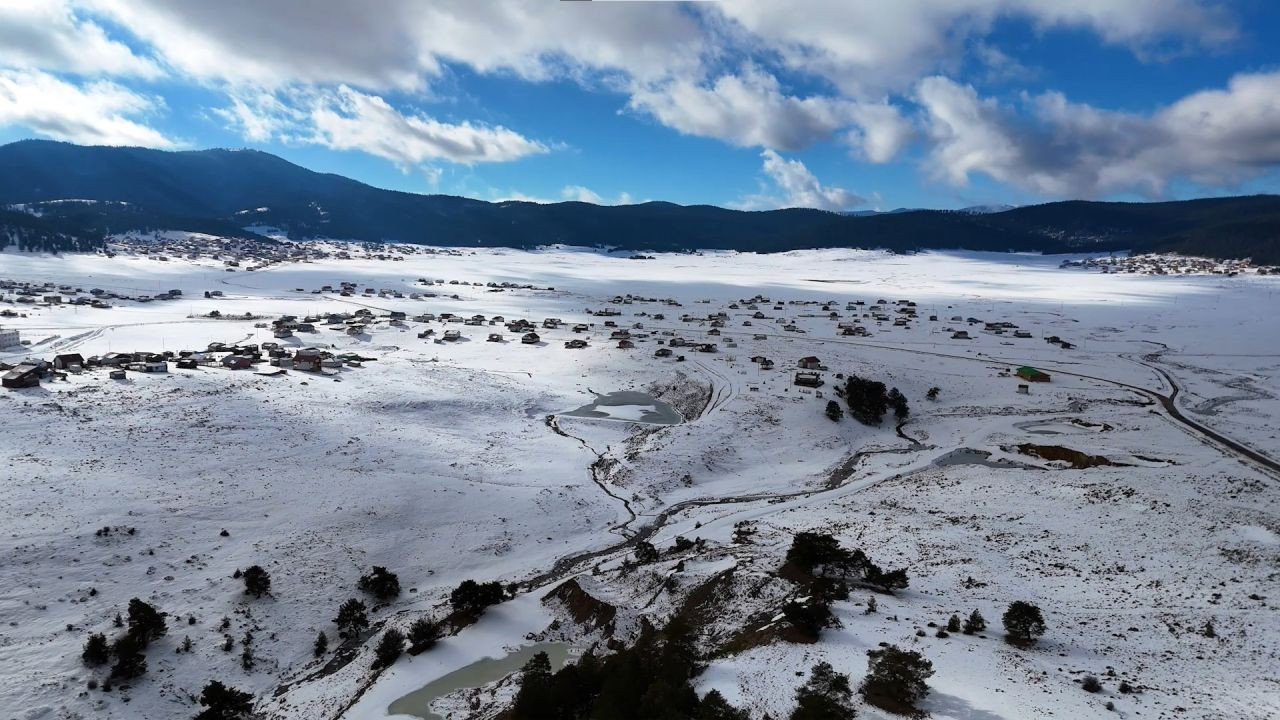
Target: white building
9,338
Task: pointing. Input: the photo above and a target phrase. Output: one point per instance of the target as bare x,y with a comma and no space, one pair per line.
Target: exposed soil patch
1076,459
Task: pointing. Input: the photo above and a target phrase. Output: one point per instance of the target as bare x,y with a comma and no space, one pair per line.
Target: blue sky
842,105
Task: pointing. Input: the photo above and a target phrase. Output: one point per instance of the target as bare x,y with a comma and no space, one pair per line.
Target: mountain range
229,192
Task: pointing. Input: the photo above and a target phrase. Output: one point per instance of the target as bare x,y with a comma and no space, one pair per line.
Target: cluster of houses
234,253
1165,264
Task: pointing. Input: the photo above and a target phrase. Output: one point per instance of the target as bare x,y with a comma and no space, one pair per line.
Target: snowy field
440,461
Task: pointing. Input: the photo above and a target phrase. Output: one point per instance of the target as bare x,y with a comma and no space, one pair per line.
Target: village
540,419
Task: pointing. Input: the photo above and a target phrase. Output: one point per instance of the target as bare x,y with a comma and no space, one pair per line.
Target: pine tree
834,411
953,624
1023,623
352,617
896,678
473,597
130,662
145,622
646,553
224,703
825,696
381,583
257,582
423,634
96,650
389,648
321,645
975,623
898,402
715,707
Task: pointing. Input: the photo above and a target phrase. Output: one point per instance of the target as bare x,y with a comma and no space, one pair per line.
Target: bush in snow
1091,684
257,582
826,695
381,583
473,597
389,648
975,623
96,650
423,634
224,703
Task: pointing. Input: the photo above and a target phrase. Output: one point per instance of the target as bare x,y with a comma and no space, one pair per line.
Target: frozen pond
630,406
481,672
970,456
1070,426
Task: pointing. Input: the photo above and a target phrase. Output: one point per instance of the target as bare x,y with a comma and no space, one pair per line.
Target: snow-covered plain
438,461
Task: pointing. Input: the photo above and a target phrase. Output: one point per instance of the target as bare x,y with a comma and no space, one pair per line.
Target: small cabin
1031,374
807,379
530,339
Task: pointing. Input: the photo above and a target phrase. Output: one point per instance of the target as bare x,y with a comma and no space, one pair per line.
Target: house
494,337
1031,374
397,315
22,376
150,366
308,359
187,364
707,347
961,335
1021,334
530,339
581,327
807,379
1024,389
625,345
575,344
452,335
9,338
116,374
66,361
663,353
810,363
237,362
713,331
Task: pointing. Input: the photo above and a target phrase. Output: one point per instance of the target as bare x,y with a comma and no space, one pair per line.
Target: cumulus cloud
351,120
795,186
869,46
47,35
581,193
401,44
98,113
1060,148
751,110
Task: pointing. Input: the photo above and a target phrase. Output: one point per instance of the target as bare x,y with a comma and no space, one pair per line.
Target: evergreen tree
933,393
953,624
96,650
646,553
257,582
895,678
975,623
898,402
715,707
423,634
389,648
381,583
321,646
473,597
834,411
867,399
536,691
145,622
130,661
826,695
352,617
1023,623
224,703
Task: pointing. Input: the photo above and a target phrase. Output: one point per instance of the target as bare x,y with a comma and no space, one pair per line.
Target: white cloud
99,113
870,46
795,186
401,44
1063,149
351,120
47,35
751,110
